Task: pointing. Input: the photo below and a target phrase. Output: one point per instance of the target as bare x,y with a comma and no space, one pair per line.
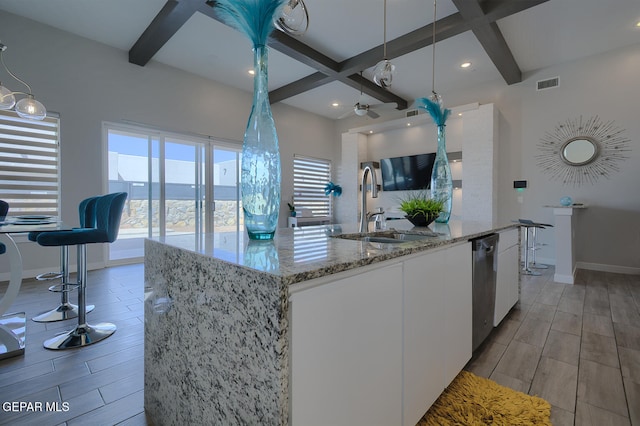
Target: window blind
310,176
29,164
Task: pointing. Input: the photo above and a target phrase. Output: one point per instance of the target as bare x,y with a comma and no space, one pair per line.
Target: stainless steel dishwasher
485,250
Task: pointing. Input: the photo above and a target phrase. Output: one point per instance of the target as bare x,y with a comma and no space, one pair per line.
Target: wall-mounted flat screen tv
407,173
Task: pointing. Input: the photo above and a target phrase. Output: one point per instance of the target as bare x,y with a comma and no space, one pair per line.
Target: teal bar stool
102,228
4,209
65,310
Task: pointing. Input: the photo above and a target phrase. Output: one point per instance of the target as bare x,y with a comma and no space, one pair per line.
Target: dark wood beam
497,49
473,15
299,51
167,22
348,71
358,82
490,37
447,27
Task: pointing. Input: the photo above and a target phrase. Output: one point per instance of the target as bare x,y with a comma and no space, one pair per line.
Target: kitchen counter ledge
301,254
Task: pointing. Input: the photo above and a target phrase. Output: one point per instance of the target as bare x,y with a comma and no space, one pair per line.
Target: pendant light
384,70
27,107
294,18
435,97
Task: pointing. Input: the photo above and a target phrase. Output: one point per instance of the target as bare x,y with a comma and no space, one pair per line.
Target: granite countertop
301,254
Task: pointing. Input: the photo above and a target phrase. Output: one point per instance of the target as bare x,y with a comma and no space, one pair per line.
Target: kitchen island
308,328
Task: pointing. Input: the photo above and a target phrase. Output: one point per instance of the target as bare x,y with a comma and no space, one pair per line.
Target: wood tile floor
578,346
102,383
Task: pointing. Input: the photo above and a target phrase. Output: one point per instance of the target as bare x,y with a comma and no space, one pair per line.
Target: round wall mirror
579,151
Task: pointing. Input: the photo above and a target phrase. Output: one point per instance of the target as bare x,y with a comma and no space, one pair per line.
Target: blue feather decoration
333,189
438,114
254,18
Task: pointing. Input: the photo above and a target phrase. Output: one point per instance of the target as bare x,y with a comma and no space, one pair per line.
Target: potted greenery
421,210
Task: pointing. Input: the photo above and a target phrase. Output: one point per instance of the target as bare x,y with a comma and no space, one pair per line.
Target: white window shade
310,176
29,164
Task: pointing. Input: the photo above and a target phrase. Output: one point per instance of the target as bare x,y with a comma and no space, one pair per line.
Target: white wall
608,231
608,234
88,83
420,139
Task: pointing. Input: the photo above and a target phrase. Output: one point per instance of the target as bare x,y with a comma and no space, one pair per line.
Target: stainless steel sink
389,237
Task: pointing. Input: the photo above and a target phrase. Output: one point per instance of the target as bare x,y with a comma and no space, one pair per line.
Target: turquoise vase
441,181
262,256
260,178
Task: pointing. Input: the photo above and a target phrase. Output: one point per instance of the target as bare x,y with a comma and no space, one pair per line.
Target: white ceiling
545,35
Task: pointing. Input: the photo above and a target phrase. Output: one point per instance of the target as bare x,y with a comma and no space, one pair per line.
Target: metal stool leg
65,310
83,334
527,269
534,248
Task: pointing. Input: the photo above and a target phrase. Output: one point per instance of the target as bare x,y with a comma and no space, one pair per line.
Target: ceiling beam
328,69
166,23
348,71
491,39
480,21
479,17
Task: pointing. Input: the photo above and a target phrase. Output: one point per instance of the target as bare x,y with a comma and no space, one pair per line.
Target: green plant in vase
420,209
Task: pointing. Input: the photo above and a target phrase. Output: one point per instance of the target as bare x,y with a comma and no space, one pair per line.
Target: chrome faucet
367,168
377,218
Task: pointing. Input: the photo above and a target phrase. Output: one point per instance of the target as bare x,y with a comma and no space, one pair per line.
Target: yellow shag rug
471,400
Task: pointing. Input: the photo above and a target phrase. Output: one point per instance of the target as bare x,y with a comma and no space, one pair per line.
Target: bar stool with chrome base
65,310
102,228
535,247
530,225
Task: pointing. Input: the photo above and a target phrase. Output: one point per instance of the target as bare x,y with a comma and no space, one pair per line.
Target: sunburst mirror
578,151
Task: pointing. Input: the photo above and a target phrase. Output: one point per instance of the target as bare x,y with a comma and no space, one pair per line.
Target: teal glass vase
260,176
262,255
441,181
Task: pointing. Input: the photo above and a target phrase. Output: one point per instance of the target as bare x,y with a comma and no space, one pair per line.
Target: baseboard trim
629,270
564,279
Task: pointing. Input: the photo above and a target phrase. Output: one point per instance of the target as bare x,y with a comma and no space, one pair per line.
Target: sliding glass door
177,185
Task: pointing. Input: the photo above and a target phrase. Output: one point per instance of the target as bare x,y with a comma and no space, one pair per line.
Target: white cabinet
423,334
507,275
458,322
437,325
346,350
377,346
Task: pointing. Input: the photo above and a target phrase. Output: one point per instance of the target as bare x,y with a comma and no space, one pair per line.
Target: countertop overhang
301,254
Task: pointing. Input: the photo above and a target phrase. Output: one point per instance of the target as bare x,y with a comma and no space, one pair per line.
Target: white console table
564,233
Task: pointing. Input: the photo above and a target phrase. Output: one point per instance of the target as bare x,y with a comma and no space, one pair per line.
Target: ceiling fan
361,109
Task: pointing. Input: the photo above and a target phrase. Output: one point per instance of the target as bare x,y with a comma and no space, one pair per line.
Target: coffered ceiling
501,38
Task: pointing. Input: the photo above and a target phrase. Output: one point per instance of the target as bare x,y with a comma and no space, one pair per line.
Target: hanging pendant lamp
384,70
435,97
27,107
294,18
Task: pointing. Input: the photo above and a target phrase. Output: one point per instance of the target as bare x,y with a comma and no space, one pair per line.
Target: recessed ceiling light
370,131
251,72
465,65
408,124
459,114
638,24
335,104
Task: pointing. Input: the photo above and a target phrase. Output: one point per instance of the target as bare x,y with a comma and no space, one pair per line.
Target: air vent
548,83
413,112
